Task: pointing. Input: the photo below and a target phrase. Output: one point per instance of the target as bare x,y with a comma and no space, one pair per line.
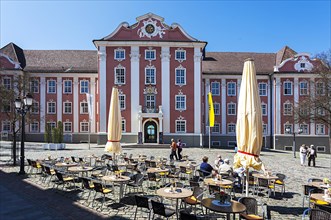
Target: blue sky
227,26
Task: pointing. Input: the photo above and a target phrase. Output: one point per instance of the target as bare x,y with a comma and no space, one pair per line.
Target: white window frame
320,129
34,127
83,108
231,128
216,129
263,89
288,88
120,75
264,108
231,91
215,88
320,111
51,89
51,107
178,123
65,126
286,110
180,76
180,54
52,124
65,107
217,108
84,87
150,77
35,107
119,54
149,52
34,86
4,125
180,102
234,108
290,126
122,100
305,128
320,88
5,83
67,89
304,90
84,124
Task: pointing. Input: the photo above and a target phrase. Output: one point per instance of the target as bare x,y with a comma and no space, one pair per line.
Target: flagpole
209,138
89,134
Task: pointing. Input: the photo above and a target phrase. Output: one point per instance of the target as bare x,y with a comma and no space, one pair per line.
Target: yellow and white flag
211,110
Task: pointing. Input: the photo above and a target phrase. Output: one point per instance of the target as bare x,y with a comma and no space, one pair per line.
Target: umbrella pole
247,178
114,159
209,139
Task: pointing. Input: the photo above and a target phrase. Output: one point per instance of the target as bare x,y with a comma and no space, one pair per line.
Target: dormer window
302,65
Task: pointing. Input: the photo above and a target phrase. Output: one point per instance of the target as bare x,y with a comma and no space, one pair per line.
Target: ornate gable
149,27
299,63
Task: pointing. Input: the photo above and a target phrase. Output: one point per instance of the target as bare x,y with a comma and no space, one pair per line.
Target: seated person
218,161
225,167
239,174
205,167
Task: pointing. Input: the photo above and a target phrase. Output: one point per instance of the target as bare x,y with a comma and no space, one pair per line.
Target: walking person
173,148
179,149
311,155
303,154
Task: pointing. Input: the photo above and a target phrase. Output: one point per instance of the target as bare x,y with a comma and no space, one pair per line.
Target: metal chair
87,184
142,202
136,183
99,188
160,209
316,214
195,199
280,181
251,208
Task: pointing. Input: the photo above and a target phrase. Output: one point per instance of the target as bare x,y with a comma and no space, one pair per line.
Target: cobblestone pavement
26,197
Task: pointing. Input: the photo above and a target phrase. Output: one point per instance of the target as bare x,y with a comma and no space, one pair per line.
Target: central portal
150,132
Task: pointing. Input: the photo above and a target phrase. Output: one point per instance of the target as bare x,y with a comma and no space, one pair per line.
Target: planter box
54,146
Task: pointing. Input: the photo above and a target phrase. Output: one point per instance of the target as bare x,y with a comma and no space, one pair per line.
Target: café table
121,180
319,185
269,178
79,169
232,207
321,196
65,165
174,193
216,182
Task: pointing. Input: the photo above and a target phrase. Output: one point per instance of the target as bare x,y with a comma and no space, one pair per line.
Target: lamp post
23,107
288,130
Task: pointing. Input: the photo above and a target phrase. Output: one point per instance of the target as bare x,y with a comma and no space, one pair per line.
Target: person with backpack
311,155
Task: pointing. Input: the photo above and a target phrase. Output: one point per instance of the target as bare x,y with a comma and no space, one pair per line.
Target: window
180,126
231,109
51,107
84,127
67,108
216,128
84,84
34,127
302,65
264,109
180,76
67,89
320,111
119,54
217,108
123,125
216,143
265,129
83,108
6,106
150,54
121,98
262,89
231,128
305,128
287,88
35,107
6,126
288,129
320,129
303,88
180,102
150,102
231,89
67,126
180,55
215,88
51,86
6,82
304,110
288,108
150,76
320,89
51,124
120,75
34,86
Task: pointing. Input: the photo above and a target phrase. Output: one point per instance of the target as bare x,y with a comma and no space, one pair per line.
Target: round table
212,181
79,169
319,185
63,164
234,207
121,180
157,170
178,193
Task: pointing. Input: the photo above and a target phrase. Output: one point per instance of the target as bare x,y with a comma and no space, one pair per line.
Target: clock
150,28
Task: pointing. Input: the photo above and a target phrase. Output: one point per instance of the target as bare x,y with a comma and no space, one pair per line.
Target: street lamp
288,130
22,108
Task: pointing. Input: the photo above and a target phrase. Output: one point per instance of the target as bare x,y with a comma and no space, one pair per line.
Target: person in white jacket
303,154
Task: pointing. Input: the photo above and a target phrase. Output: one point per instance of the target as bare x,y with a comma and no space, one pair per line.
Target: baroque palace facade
163,75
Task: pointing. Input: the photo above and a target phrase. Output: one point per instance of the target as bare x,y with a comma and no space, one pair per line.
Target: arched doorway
150,132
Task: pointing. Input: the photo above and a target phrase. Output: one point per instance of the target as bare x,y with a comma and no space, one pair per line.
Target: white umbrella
249,122
114,125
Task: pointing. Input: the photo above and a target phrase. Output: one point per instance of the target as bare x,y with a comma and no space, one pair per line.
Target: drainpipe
271,112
